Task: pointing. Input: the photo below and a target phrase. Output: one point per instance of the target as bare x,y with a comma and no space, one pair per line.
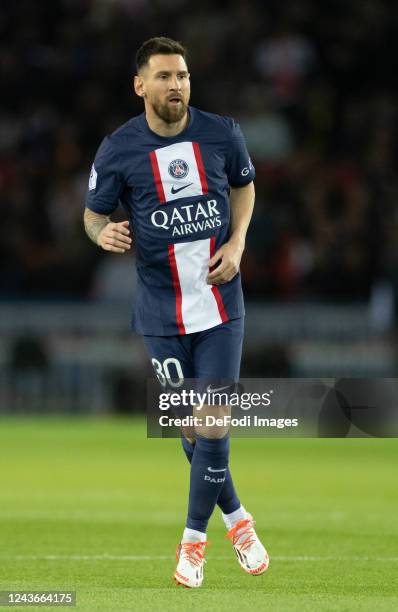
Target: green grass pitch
93,506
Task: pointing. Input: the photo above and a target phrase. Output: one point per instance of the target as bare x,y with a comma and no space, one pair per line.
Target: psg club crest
178,169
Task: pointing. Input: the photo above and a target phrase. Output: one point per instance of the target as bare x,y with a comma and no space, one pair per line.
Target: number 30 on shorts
169,372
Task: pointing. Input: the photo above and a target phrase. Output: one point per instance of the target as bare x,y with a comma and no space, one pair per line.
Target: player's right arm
104,189
114,237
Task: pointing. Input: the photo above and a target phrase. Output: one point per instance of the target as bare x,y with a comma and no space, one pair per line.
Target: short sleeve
105,184
240,170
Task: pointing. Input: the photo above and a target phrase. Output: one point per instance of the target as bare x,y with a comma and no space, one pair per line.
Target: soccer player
185,181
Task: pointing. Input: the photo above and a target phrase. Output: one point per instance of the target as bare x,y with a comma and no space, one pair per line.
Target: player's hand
115,237
227,262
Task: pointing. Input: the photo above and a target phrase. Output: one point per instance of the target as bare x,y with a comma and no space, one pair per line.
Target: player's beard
169,114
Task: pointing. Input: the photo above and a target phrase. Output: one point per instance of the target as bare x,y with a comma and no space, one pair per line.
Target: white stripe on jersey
175,188
199,306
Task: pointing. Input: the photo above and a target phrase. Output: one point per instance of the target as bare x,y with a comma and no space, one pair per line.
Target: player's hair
159,44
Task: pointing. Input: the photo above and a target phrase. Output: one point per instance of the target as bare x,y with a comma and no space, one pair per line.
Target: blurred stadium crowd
311,84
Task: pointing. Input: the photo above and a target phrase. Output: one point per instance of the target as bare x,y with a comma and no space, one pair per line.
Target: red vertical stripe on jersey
156,174
215,289
201,168
177,289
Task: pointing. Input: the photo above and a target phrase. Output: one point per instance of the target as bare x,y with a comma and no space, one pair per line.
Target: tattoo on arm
94,224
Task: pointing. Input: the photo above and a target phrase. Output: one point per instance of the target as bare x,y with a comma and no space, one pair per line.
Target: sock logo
212,470
214,480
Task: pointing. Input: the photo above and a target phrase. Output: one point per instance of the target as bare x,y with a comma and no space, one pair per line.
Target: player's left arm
227,257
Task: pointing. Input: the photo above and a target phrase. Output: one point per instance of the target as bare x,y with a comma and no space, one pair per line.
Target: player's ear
139,87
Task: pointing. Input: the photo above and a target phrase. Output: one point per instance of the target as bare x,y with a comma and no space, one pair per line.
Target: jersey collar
183,134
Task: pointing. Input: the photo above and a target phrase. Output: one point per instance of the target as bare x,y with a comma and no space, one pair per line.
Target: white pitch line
106,557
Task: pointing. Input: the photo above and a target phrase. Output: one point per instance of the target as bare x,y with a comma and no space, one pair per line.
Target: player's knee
213,423
212,433
188,433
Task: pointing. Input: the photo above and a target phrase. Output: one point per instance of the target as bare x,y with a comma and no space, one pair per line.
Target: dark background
312,84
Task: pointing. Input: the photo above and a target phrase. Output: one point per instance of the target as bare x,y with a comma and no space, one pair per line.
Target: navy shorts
213,354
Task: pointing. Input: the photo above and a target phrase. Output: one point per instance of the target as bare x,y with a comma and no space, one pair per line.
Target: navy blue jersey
175,191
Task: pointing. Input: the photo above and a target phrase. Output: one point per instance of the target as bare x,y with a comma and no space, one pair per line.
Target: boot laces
242,528
193,551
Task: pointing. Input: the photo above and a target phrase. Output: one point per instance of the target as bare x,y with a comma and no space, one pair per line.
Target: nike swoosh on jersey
175,190
212,470
209,389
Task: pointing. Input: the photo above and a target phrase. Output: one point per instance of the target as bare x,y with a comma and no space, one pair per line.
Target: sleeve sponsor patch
92,183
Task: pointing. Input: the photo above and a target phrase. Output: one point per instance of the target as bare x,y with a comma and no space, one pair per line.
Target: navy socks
210,481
